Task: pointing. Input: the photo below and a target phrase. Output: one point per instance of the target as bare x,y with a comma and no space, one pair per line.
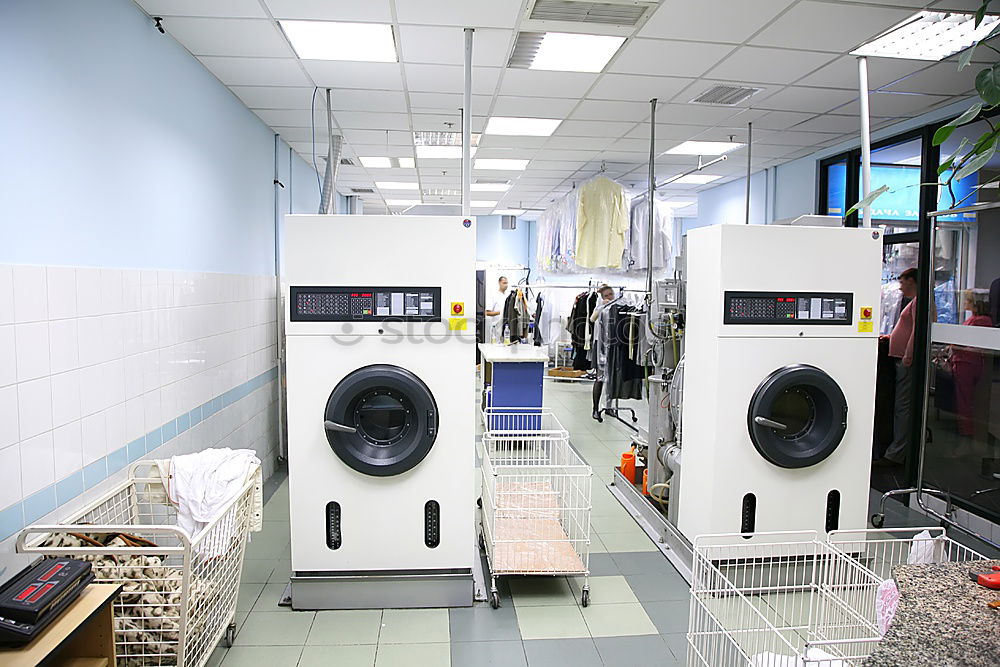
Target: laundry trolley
178,596
536,498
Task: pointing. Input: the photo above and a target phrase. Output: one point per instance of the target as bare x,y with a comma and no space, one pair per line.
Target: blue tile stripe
40,503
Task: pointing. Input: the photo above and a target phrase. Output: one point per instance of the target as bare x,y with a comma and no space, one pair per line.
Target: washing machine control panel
788,308
365,304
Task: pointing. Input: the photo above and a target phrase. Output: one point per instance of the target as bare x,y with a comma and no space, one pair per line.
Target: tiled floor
637,616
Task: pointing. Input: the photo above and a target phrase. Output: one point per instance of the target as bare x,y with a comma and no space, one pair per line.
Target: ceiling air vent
626,13
362,191
725,95
525,49
347,162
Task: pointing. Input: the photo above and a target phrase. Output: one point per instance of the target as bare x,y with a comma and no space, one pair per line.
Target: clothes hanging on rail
515,315
637,250
603,334
579,328
601,224
538,337
625,374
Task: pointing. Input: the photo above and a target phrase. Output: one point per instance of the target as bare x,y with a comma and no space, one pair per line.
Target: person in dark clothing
607,295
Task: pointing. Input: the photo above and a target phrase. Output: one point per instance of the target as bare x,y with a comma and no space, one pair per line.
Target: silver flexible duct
328,200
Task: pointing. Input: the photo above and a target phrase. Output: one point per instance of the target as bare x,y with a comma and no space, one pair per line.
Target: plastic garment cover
636,251
892,301
601,224
556,235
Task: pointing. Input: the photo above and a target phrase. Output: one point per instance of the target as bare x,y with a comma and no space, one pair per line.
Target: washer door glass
797,416
381,420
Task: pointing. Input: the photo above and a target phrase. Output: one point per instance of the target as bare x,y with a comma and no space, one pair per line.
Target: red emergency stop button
866,313
457,308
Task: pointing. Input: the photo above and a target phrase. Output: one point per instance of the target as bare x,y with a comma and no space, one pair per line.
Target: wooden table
82,636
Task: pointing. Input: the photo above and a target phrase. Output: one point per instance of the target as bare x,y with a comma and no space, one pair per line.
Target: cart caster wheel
479,502
878,520
585,597
634,418
495,600
230,635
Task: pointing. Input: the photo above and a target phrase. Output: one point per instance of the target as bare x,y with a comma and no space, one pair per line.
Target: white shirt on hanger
495,322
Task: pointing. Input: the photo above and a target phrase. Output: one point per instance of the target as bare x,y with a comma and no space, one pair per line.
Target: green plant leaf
981,12
943,132
965,59
867,201
976,163
988,84
945,166
950,161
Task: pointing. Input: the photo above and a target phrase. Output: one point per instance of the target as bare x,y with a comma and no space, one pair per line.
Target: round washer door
381,420
797,416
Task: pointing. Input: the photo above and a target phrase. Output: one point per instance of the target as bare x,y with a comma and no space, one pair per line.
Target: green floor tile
605,590
256,571
615,542
618,620
488,654
414,626
247,596
281,573
635,651
540,591
574,652
346,627
338,656
562,622
414,655
261,656
275,628
268,599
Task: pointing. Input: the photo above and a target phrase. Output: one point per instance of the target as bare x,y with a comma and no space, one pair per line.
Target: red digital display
52,571
26,592
42,591
366,294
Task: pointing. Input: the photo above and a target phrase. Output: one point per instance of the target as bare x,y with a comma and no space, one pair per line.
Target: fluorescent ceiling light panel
441,152
705,148
483,204
501,164
394,185
928,35
332,40
402,202
386,162
509,211
522,127
695,179
406,162
490,187
571,52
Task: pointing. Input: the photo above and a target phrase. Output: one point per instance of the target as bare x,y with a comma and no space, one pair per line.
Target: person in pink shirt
901,352
967,367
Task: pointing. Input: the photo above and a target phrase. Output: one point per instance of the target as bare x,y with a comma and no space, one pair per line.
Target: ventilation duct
725,95
627,13
328,200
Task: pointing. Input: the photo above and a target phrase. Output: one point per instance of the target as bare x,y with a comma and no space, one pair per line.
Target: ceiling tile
378,138
940,79
752,63
227,8
795,138
290,117
683,19
450,78
229,37
276,97
894,105
540,83
447,102
608,110
802,98
438,121
366,100
256,71
460,13
366,120
831,123
843,72
502,141
446,46
693,114
780,120
534,107
589,128
577,144
844,26
341,74
637,88
561,154
377,149
667,58
330,10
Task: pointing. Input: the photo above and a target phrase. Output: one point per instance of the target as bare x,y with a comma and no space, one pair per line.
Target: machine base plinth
664,534
377,591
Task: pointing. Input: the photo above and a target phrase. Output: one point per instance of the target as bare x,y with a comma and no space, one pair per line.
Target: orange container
628,465
645,480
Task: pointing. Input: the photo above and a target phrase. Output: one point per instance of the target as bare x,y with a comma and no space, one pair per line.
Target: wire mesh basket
783,600
880,550
179,592
536,498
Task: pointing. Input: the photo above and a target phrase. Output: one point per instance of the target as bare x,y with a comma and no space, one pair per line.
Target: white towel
814,658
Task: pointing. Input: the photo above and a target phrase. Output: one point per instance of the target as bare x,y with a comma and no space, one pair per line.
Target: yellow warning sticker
458,324
865,327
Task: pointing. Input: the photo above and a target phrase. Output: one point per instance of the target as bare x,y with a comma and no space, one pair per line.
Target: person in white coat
494,312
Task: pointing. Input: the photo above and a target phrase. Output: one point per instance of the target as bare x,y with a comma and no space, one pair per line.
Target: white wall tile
151,409
111,291
133,376
6,295
9,431
32,341
37,463
114,419
30,294
66,398
10,476
8,356
34,407
131,290
61,288
135,419
131,333
64,345
67,444
88,292
95,440
90,342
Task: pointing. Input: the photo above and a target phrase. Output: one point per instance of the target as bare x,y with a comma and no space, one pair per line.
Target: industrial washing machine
381,410
766,424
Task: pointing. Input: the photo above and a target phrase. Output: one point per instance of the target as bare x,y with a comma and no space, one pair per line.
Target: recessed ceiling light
928,36
678,204
509,211
395,185
332,40
436,138
490,187
441,152
695,179
572,52
402,202
501,164
386,162
406,162
705,148
523,127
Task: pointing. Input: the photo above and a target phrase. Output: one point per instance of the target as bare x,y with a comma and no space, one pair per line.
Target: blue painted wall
121,149
503,246
726,204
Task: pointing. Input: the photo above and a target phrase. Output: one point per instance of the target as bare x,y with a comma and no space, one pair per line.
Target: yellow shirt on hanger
601,223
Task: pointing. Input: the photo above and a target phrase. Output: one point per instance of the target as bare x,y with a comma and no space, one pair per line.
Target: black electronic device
365,304
32,599
788,308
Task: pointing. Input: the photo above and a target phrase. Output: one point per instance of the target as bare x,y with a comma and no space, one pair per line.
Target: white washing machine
779,379
381,409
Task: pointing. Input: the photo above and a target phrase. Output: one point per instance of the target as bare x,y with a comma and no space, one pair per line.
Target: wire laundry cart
536,498
179,592
781,600
880,550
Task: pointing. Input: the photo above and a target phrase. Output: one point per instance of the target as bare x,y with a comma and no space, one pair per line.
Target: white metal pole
866,141
746,221
467,127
